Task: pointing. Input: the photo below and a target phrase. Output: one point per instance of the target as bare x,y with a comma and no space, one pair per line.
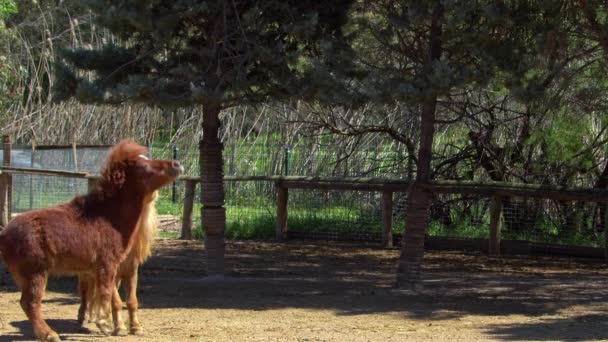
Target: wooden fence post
605,231
186,233
75,156
282,198
495,225
8,179
387,218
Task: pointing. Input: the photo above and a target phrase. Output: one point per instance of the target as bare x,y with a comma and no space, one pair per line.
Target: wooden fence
386,186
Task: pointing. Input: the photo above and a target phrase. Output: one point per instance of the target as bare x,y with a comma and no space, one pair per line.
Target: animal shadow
62,326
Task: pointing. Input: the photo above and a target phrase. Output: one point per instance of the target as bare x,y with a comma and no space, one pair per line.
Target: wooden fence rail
496,191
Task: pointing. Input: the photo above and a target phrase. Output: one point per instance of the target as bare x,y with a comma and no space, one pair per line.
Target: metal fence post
5,183
286,161
8,147
32,159
282,199
387,219
174,186
231,166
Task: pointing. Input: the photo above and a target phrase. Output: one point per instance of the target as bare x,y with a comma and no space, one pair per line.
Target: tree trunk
213,213
420,195
418,204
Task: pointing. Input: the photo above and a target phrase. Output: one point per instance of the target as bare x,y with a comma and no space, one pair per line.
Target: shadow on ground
65,326
359,280
580,328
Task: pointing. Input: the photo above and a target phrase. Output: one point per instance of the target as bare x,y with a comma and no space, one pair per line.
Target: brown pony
92,234
127,273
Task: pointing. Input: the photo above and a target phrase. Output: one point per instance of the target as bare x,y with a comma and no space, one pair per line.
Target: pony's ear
116,177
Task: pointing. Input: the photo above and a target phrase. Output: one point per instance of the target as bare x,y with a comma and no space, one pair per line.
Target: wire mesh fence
317,214
551,221
343,215
456,215
310,160
250,209
35,191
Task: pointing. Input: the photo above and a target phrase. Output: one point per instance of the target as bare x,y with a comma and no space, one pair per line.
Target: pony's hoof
52,337
122,331
82,318
137,330
104,326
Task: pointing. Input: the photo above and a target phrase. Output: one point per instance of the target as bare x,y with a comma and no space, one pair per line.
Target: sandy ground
339,292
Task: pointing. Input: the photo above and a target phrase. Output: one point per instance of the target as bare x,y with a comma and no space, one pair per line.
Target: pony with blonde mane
92,234
127,273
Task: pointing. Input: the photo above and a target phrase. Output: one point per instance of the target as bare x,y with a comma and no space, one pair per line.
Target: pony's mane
146,229
113,170
113,177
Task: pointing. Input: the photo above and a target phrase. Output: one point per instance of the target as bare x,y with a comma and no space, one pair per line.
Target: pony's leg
119,325
32,290
130,285
83,290
92,300
104,291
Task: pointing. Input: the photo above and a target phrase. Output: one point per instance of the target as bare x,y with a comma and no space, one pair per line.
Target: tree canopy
491,90
179,53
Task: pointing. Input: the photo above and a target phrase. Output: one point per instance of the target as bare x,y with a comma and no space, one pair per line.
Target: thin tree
420,54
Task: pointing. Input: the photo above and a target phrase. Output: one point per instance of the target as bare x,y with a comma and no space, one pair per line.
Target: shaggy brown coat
127,274
91,234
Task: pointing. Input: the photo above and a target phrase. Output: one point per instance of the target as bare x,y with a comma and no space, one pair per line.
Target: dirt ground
338,292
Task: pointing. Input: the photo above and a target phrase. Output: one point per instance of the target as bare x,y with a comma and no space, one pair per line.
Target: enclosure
331,144
280,193
314,258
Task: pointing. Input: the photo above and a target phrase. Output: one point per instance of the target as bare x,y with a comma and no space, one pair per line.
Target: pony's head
128,167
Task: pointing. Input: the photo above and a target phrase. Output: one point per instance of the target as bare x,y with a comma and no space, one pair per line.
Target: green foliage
463,230
564,140
7,7
185,52
9,72
412,51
